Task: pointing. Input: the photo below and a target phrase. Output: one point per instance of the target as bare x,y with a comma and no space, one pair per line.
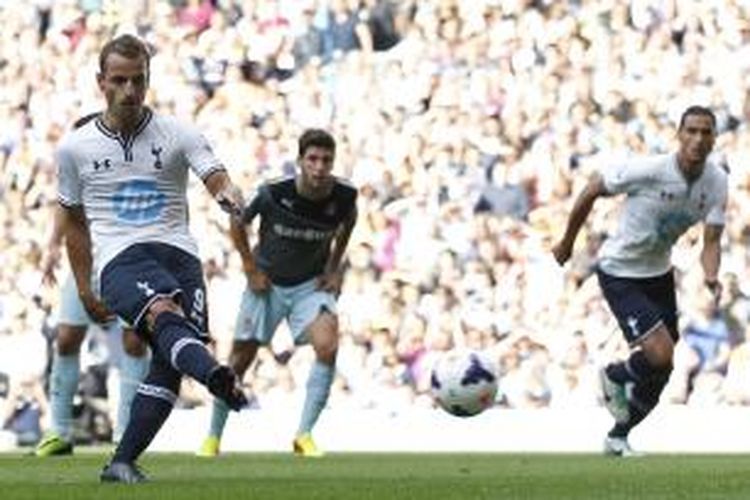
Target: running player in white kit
664,196
123,185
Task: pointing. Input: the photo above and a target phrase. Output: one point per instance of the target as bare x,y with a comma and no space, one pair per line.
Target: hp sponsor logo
138,202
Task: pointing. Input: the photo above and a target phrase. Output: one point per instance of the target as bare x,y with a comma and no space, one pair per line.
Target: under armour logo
156,151
145,288
105,164
633,324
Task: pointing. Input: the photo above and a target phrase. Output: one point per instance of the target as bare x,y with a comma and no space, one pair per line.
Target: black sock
634,369
177,341
642,401
151,406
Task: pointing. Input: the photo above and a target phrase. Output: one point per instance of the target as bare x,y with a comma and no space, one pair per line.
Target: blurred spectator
25,408
702,355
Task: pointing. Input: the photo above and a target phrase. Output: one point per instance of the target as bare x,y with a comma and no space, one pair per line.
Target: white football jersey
133,189
660,205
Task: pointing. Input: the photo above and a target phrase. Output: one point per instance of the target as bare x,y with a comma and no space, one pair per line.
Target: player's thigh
661,291
313,315
134,280
637,315
258,316
188,271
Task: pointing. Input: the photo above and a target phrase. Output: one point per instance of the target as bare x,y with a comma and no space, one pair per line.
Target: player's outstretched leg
151,407
175,338
66,367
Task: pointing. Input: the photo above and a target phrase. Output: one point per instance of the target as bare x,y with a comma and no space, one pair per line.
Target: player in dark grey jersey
294,273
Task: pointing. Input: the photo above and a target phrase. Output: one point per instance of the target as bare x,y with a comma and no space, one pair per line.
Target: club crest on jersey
145,287
330,210
156,151
106,164
633,325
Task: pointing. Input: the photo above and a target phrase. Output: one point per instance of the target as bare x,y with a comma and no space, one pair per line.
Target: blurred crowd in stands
467,126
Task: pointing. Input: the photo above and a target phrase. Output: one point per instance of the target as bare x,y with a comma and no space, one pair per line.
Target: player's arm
340,241
333,274
53,251
257,280
578,215
78,245
711,258
224,191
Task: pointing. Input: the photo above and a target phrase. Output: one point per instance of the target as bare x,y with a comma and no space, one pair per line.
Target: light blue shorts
71,311
260,314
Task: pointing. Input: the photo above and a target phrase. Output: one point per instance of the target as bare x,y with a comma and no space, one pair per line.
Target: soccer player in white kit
664,196
122,183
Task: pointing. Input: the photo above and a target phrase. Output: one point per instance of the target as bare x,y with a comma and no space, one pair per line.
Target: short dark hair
128,46
697,110
318,138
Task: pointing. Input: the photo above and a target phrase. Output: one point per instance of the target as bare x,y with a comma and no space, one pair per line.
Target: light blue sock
132,371
219,414
318,388
63,386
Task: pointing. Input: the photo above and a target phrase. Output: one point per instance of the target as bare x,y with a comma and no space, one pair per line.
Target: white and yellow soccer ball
464,382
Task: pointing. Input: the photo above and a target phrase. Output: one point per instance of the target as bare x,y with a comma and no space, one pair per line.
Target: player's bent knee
69,339
326,352
659,349
243,353
160,306
132,344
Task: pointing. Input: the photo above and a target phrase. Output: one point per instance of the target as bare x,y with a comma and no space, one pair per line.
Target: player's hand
230,200
331,282
258,281
562,252
714,286
49,264
95,308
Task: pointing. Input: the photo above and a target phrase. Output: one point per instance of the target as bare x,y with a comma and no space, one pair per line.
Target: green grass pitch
358,476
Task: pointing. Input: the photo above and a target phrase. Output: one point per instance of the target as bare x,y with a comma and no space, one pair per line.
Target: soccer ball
464,383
